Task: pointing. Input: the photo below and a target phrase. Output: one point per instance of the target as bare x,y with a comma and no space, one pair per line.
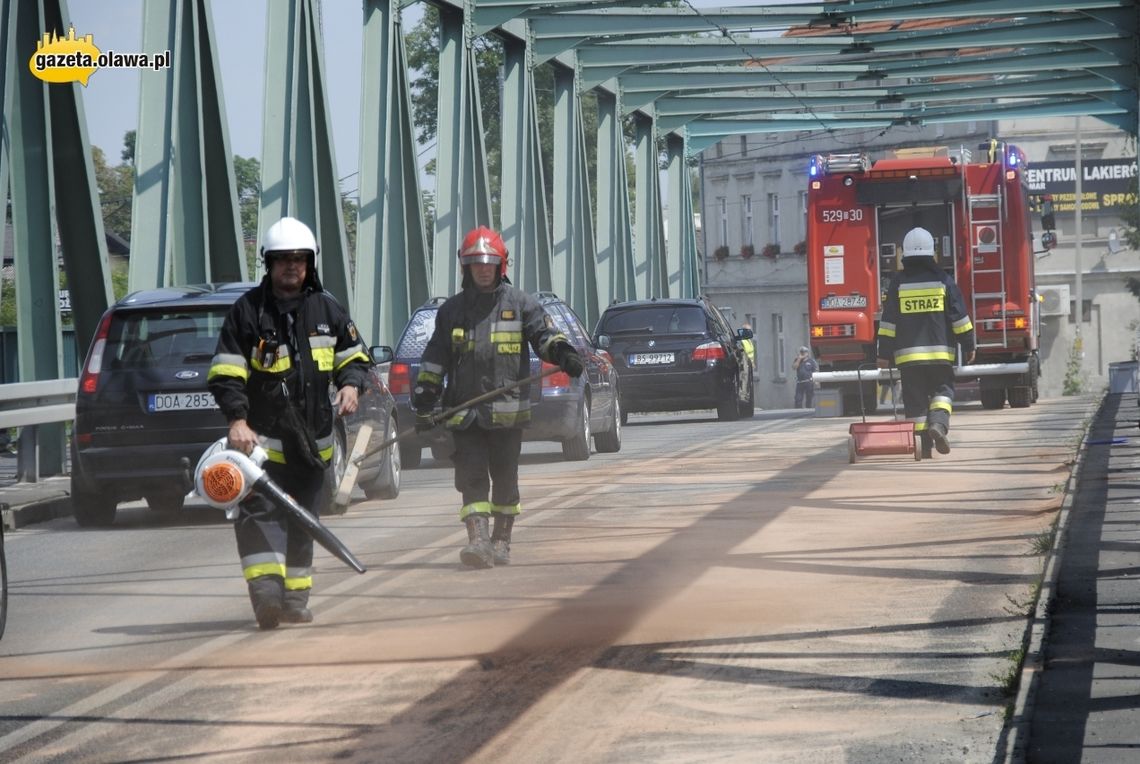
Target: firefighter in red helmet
482,340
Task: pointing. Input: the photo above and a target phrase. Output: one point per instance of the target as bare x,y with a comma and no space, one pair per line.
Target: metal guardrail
27,405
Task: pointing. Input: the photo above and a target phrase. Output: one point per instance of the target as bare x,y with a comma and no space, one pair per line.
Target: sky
111,99
111,96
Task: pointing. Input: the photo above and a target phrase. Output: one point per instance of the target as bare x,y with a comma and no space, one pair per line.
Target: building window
722,206
773,219
778,343
744,145
803,215
746,205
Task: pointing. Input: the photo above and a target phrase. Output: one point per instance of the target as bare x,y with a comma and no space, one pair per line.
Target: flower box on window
771,251
800,248
721,252
747,251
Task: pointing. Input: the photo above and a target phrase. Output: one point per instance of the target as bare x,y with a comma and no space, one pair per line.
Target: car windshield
149,339
416,336
657,319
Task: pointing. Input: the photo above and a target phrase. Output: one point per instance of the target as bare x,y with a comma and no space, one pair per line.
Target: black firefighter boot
501,538
477,553
297,607
267,593
941,438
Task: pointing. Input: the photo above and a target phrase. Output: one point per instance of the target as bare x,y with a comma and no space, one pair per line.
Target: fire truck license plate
180,402
650,359
846,301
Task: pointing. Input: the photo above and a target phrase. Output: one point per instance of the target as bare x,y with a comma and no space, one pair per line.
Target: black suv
144,415
676,355
569,411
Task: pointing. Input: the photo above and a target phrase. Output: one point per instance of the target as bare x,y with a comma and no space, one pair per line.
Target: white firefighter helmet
918,243
289,235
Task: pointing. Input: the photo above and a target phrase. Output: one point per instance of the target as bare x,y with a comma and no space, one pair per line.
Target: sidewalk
1080,685
22,504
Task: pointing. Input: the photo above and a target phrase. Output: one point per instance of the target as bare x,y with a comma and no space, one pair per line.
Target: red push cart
881,438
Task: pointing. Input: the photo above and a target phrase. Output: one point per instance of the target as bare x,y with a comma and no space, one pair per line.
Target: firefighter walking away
481,343
924,321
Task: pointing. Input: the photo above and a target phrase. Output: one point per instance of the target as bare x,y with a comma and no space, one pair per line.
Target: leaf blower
224,477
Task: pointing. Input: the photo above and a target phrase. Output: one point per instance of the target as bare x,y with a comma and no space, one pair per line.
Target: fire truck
978,210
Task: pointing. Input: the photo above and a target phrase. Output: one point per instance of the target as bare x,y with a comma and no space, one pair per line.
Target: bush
721,252
800,248
1074,382
771,251
747,251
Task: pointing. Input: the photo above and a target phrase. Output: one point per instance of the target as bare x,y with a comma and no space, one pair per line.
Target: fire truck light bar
846,163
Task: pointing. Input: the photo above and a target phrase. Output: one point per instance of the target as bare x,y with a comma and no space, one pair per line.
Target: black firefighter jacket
924,317
480,343
282,391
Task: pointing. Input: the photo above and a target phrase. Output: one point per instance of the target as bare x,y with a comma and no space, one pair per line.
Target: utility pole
1077,244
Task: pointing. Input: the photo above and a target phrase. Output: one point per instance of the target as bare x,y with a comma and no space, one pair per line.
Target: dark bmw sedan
144,415
677,355
573,412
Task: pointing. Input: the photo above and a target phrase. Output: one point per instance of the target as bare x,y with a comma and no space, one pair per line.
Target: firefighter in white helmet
281,346
924,321
482,341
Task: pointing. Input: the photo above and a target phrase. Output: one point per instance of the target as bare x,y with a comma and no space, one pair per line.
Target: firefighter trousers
270,542
928,394
487,469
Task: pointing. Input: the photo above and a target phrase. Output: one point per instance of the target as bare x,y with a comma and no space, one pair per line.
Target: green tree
247,176
116,193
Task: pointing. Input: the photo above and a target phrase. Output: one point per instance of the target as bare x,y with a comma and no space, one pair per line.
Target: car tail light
710,351
558,379
399,378
89,381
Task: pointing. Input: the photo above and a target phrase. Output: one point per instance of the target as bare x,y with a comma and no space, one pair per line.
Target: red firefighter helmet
483,245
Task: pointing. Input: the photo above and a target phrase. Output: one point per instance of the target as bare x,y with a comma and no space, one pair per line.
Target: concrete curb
22,504
1037,634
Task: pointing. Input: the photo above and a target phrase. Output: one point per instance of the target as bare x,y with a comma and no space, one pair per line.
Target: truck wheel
1020,397
992,398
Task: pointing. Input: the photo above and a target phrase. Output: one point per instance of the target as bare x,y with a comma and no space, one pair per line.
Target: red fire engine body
979,215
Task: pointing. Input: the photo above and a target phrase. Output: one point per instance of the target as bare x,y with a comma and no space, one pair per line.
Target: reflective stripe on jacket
247,376
924,317
483,341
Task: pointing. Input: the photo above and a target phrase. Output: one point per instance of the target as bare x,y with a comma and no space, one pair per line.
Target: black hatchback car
569,411
677,355
144,415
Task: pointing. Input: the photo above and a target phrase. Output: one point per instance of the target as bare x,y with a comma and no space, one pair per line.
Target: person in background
749,346
805,367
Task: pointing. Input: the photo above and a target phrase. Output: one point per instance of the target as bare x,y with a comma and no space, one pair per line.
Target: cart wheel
852,454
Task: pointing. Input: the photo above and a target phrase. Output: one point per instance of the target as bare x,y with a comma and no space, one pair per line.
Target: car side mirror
381,354
744,334
603,341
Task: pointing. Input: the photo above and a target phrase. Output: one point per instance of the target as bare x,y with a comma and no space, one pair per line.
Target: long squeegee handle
443,415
